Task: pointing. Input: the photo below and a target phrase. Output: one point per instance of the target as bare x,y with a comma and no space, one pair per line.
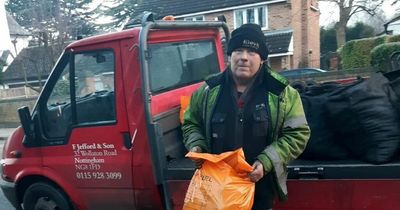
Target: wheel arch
23,184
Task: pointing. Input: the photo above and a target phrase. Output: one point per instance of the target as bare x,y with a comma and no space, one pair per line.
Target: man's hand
258,171
197,162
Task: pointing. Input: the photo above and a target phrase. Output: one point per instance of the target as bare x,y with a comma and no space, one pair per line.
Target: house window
195,18
258,15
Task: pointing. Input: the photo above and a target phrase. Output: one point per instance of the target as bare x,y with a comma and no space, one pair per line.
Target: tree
327,40
328,36
347,9
120,11
377,21
358,31
52,23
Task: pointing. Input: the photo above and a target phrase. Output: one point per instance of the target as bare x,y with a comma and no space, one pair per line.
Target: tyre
44,196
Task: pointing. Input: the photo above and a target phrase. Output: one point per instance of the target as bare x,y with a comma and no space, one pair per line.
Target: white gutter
280,54
229,8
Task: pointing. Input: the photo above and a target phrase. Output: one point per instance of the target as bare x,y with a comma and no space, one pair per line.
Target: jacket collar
273,84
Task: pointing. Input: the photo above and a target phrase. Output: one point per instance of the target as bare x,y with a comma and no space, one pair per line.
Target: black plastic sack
366,120
322,144
394,83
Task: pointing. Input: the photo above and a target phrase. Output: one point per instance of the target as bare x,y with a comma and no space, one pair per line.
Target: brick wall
20,92
279,16
9,107
314,34
275,63
305,24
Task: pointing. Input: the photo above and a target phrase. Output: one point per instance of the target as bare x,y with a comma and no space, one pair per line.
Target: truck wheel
43,196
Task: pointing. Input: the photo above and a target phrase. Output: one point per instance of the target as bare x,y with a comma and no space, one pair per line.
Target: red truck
105,131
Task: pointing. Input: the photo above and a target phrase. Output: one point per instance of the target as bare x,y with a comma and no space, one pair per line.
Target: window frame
67,58
106,122
194,18
243,12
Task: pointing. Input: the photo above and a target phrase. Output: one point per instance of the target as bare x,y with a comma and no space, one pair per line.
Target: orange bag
185,100
221,183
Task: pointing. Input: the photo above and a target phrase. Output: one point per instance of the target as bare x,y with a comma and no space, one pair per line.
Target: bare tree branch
347,10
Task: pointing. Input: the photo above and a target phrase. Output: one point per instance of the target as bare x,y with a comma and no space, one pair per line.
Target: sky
4,32
329,12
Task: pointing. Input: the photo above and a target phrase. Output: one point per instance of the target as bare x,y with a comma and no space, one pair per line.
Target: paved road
4,204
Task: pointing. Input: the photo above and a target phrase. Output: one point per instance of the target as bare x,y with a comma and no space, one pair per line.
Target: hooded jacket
290,131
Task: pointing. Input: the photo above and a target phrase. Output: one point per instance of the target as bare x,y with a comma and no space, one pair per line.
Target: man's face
245,63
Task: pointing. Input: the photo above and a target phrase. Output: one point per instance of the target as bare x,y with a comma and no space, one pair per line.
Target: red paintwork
178,192
326,195
342,194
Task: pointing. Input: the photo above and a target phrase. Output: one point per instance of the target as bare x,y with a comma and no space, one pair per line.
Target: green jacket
289,125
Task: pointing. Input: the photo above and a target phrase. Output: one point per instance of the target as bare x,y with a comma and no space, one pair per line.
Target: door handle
127,140
309,172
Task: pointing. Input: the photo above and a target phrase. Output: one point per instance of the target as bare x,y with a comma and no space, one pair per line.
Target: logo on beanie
250,44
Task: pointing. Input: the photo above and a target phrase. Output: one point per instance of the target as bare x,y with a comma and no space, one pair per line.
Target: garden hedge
357,53
380,55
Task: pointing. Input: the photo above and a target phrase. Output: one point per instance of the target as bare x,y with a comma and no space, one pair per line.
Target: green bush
355,53
380,55
394,38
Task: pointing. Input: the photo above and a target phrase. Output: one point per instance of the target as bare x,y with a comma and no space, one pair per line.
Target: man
251,107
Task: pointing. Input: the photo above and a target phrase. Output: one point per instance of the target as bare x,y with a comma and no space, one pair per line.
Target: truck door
84,133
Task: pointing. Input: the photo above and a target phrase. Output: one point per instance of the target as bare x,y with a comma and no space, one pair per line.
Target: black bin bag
322,144
365,120
394,82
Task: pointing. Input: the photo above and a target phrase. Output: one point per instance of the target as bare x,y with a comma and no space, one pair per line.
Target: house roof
278,41
14,27
36,61
161,8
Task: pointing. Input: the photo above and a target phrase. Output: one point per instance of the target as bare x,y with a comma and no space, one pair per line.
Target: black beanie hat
249,36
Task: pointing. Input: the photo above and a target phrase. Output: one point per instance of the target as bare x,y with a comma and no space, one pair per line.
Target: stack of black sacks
360,120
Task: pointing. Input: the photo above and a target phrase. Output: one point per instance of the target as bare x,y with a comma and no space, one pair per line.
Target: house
291,27
30,68
392,27
19,37
14,37
5,45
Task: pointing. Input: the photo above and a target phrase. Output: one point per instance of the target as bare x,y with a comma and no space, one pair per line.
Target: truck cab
105,131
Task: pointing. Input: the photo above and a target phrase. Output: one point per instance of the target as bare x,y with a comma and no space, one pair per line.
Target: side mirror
27,123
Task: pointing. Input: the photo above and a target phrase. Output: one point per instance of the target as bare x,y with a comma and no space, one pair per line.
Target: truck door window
174,65
94,86
94,94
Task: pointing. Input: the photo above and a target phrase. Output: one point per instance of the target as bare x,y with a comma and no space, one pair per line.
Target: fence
8,110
